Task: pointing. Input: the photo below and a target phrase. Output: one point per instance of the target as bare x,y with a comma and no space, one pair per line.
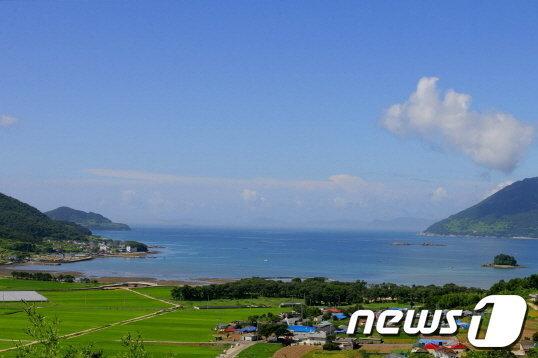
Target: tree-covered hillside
89,220
512,211
20,222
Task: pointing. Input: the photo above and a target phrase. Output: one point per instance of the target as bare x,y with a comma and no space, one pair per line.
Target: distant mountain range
510,212
90,220
20,222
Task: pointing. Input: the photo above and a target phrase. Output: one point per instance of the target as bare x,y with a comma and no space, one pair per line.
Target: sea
198,254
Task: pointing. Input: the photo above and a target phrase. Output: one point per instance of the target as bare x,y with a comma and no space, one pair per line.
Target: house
325,326
128,248
331,310
248,329
301,329
346,343
444,352
103,247
249,337
458,348
437,342
221,327
419,350
534,297
230,329
431,347
310,338
522,347
462,325
292,321
339,316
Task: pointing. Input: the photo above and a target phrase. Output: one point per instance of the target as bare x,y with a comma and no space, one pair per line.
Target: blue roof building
248,329
439,342
339,316
302,329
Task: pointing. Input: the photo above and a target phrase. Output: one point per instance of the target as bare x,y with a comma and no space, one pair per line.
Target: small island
503,261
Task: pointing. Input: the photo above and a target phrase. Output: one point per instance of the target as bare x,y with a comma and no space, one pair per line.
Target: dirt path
234,350
153,298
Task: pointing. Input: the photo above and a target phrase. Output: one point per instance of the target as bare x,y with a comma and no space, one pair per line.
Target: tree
268,329
503,259
134,345
44,332
331,346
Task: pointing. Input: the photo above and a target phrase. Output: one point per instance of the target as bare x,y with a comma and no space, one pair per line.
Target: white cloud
345,182
252,197
7,121
127,196
494,140
249,195
348,182
439,194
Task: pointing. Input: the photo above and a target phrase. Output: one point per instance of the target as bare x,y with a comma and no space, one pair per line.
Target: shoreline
201,281
53,261
502,266
429,234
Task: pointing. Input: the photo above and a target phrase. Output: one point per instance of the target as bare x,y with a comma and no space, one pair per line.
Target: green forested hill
89,220
512,211
24,223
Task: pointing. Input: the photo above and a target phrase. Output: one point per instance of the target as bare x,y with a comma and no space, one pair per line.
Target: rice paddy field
102,317
88,314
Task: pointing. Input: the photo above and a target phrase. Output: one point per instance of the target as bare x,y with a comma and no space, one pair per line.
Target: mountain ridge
510,212
90,220
22,222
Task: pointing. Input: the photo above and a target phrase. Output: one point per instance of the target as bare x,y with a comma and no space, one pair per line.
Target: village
326,329
59,252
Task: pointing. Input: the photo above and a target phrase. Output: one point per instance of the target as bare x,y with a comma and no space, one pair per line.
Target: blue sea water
194,253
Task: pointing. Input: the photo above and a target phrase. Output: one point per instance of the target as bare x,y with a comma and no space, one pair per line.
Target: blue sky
220,112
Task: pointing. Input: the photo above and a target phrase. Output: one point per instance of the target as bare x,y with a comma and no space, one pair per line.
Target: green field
260,350
183,332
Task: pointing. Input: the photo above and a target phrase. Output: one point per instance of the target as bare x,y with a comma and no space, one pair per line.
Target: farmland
91,315
168,327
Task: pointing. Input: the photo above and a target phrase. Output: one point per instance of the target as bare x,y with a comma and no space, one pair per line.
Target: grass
186,332
260,350
180,333
7,284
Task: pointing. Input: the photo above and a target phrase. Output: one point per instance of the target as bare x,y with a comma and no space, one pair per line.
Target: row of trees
42,276
517,285
320,291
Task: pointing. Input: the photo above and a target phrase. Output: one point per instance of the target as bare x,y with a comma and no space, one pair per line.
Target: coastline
430,234
56,260
502,266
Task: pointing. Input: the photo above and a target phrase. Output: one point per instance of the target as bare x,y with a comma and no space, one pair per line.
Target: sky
266,113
